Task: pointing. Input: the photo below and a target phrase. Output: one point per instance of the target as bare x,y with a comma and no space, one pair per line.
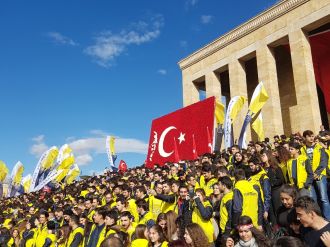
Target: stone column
237,83
213,85
272,115
190,92
307,112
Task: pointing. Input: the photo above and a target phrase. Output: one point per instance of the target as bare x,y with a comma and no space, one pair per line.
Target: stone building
273,47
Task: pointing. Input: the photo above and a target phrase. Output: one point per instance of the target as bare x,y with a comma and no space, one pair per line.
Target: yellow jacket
304,172
73,234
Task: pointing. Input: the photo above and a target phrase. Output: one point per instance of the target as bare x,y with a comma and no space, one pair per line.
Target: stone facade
255,51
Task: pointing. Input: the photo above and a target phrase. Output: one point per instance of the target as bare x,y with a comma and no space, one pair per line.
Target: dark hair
271,159
141,203
112,241
75,219
288,241
113,214
177,243
261,239
102,211
308,205
226,181
239,174
290,190
255,160
295,145
283,154
126,214
307,133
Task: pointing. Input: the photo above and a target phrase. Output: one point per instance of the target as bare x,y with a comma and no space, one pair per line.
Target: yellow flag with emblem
3,171
48,161
73,174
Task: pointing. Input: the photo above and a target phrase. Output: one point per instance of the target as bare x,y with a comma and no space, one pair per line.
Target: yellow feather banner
73,174
62,175
219,112
66,162
237,107
26,182
48,161
257,125
259,98
3,171
17,173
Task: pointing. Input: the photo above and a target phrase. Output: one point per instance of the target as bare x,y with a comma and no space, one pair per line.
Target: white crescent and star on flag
161,150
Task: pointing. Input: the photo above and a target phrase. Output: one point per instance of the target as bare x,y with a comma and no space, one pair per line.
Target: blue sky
75,71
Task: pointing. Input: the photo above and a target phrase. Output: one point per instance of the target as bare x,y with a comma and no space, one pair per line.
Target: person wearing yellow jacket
140,240
246,200
202,214
319,161
51,238
146,217
207,179
155,205
225,186
77,233
299,170
127,224
98,230
29,235
42,231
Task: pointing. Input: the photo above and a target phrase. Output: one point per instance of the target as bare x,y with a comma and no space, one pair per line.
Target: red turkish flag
181,125
122,166
209,140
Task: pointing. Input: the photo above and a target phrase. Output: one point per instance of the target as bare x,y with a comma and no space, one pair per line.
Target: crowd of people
274,193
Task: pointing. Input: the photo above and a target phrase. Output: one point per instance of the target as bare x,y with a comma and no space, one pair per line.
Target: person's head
195,236
254,164
177,243
88,203
140,231
175,186
15,233
126,191
74,221
225,183
43,217
206,170
288,241
238,157
113,242
166,187
99,216
140,192
216,189
288,195
161,220
108,197
159,188
67,214
309,136
294,148
201,194
31,210
239,174
142,206
183,192
121,203
126,219
156,235
234,149
111,217
58,213
171,227
95,202
307,211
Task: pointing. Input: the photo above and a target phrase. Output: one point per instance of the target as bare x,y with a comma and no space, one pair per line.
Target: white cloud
85,148
61,39
206,19
162,71
109,46
39,147
191,2
83,159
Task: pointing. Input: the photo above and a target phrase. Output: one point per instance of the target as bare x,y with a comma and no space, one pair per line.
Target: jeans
320,186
